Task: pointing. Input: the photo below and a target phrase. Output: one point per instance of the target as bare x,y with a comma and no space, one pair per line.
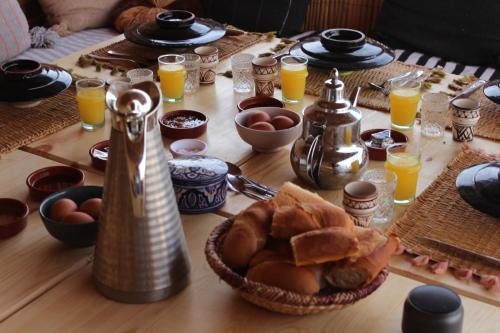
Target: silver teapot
141,253
330,153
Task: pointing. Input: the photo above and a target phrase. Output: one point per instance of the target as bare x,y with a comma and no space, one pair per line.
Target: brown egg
77,218
282,122
61,208
262,126
91,207
256,117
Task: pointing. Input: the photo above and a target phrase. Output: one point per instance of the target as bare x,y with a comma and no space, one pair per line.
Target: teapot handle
310,158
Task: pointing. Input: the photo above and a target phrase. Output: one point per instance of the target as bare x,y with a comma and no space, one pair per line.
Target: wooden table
45,286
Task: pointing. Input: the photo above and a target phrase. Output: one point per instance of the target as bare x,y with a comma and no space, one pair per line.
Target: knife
489,259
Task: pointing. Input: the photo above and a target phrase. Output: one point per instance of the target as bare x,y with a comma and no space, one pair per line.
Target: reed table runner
440,213
19,127
228,46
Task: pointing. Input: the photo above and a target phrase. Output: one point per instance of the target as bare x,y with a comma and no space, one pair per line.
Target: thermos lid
432,309
197,170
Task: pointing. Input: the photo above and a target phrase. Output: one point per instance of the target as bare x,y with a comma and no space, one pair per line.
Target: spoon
235,171
238,185
469,90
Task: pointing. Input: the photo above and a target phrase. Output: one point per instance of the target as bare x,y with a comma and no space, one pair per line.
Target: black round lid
434,300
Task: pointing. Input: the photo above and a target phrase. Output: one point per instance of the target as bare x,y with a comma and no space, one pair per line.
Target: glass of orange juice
90,96
172,74
293,75
404,160
404,97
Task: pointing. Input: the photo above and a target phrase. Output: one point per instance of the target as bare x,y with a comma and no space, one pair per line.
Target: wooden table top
45,286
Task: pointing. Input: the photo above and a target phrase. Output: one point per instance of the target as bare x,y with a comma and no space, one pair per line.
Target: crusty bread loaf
346,274
287,276
267,256
289,221
323,245
369,239
248,234
291,195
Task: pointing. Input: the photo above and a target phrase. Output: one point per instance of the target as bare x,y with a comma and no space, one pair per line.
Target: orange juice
172,78
406,166
404,97
91,105
293,82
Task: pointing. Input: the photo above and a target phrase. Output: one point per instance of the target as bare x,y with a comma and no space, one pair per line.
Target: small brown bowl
96,155
46,181
13,217
177,133
259,101
380,154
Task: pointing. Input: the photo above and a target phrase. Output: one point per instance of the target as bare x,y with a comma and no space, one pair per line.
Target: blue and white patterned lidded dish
200,183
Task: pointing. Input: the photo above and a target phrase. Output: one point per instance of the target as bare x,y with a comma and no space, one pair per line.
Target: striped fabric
14,36
68,45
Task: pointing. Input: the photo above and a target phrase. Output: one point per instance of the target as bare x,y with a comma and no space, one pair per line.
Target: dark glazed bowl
258,101
98,161
21,69
175,19
342,40
183,133
380,154
46,181
13,217
74,235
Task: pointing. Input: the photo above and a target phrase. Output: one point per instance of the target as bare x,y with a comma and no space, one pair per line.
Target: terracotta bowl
183,133
97,158
13,217
268,141
46,181
259,101
74,235
380,154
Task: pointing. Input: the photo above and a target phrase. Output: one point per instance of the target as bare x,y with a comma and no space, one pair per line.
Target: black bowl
175,19
74,235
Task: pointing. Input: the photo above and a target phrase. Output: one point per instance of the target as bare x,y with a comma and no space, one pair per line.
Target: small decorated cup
360,200
264,73
209,59
465,116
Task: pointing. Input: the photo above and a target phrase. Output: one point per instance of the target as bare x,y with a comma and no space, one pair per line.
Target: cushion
460,30
14,35
75,15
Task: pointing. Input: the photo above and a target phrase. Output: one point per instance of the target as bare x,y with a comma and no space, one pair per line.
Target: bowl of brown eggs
268,129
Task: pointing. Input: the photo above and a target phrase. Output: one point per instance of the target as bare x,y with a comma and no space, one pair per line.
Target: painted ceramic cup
209,59
360,200
465,116
264,73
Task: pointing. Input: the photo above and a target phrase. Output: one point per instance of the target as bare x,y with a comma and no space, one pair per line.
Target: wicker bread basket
276,299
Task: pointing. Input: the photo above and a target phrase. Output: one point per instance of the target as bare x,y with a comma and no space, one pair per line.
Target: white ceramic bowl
188,147
268,141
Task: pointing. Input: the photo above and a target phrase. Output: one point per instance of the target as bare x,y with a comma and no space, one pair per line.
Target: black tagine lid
176,28
344,49
432,309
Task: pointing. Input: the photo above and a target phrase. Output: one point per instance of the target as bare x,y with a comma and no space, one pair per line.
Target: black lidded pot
432,309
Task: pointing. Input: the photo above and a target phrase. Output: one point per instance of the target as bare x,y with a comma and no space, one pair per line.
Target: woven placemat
440,213
228,46
19,127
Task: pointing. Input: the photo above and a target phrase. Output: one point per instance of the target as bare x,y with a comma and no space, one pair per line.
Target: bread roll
291,195
293,220
351,275
369,240
323,245
267,256
284,275
248,234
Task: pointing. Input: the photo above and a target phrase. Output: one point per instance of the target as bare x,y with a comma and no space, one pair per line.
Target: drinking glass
138,75
404,98
192,64
293,75
90,96
241,66
404,160
385,181
172,75
434,114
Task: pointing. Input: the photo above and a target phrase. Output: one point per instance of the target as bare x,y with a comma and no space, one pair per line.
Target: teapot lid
332,94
